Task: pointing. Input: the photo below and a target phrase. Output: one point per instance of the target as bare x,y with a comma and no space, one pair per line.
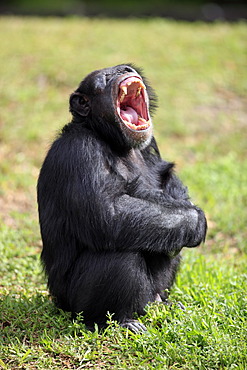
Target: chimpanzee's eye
128,69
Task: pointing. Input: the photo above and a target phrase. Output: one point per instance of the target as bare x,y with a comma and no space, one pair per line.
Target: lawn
199,73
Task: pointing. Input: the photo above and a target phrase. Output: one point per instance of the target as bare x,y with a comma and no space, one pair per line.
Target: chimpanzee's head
116,102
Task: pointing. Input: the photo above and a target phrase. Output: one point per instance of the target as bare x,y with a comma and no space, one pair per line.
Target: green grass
199,73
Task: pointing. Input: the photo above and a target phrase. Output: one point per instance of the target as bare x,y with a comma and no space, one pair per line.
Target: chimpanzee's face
117,96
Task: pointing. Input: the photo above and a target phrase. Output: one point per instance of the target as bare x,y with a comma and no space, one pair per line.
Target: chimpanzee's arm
159,228
91,202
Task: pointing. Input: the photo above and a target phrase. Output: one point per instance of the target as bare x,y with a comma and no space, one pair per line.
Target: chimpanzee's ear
80,104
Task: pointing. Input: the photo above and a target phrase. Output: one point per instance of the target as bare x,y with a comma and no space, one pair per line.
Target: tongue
129,114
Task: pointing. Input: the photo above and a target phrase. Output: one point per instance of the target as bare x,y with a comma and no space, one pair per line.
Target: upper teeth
124,89
138,91
121,99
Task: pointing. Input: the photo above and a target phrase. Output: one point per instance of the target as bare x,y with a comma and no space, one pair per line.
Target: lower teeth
135,127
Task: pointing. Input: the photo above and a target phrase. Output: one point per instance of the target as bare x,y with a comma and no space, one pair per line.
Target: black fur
113,215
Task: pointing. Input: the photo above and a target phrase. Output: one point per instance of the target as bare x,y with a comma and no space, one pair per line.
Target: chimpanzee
113,215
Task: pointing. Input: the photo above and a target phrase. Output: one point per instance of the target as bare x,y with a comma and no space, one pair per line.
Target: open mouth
132,105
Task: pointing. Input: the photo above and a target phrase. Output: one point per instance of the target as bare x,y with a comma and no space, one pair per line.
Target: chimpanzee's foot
178,304
168,303
181,306
134,325
158,298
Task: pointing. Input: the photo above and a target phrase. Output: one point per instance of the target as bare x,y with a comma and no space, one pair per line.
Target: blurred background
191,10
194,55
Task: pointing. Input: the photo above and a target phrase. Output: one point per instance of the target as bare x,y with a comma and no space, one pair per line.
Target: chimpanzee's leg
113,282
